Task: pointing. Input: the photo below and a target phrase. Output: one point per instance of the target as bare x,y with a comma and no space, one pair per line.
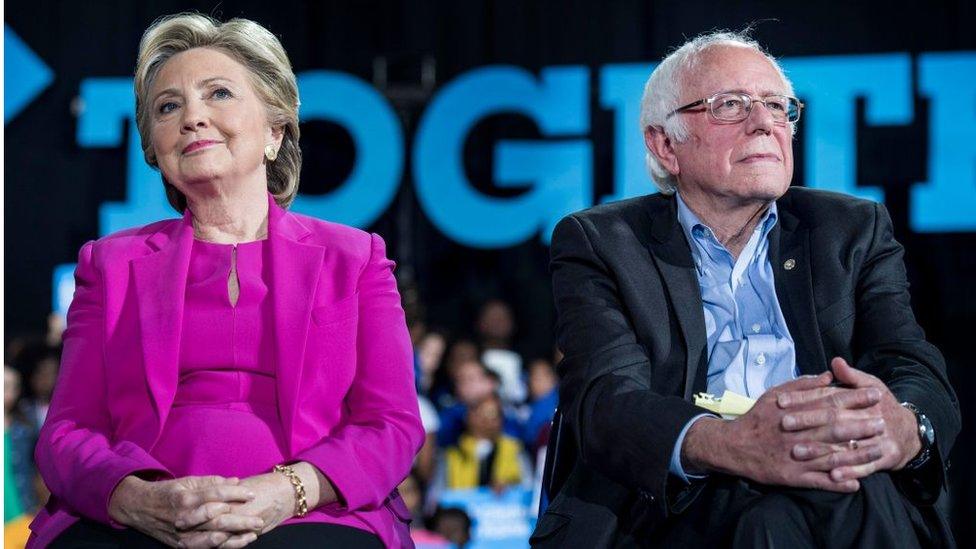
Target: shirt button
760,359
756,327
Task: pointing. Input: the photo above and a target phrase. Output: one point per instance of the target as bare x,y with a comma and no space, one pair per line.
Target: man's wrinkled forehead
731,68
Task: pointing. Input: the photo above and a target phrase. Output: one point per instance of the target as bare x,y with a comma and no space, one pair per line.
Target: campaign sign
499,521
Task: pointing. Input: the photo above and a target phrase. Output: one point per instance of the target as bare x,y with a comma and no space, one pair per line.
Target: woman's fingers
228,493
239,541
233,523
201,514
200,540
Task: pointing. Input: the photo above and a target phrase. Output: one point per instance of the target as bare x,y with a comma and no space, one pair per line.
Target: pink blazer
345,378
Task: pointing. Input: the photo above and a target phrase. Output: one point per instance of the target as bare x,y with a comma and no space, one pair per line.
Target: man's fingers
849,472
805,383
823,481
794,399
203,513
844,431
825,397
833,456
848,375
807,451
820,417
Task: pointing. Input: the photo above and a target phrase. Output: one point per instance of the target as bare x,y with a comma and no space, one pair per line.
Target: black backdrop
53,187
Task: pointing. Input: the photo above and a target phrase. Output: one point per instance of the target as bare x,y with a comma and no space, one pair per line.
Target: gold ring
852,444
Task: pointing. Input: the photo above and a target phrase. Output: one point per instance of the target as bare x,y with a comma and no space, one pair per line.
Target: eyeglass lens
734,106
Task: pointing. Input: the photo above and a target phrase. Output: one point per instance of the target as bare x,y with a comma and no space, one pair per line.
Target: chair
560,458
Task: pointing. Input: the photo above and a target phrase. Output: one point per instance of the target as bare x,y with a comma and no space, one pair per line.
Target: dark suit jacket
631,325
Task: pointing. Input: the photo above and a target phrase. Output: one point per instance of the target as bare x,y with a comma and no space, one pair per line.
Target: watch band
926,435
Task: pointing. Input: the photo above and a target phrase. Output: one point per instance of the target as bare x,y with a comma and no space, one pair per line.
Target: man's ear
660,145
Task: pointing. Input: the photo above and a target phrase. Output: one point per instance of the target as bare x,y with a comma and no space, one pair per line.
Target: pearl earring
270,152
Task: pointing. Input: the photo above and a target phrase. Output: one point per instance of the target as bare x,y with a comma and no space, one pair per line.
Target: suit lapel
672,256
160,281
295,271
789,256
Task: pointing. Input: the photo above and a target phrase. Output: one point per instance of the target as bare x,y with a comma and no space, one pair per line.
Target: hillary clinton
243,374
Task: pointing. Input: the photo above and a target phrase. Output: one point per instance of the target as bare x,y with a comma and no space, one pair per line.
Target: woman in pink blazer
243,374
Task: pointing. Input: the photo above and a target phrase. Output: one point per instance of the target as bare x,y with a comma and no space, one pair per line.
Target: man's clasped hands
823,432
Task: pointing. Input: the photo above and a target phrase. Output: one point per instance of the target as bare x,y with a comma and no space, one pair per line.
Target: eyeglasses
735,107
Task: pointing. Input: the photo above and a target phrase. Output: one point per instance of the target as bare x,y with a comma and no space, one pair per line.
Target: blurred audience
473,382
412,494
20,499
430,353
496,326
454,524
543,399
484,455
444,382
425,462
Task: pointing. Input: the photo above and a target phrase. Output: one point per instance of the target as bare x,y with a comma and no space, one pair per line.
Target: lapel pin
789,264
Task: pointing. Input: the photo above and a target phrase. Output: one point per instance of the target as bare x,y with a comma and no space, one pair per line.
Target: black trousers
732,512
89,534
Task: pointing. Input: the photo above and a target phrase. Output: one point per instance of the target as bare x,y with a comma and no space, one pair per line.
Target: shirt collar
695,230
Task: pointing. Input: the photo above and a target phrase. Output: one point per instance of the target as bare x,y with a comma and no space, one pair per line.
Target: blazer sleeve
75,453
624,429
890,345
372,451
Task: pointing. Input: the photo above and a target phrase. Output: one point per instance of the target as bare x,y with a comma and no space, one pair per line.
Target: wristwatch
926,434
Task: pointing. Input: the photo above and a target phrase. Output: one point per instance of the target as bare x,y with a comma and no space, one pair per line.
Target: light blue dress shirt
749,345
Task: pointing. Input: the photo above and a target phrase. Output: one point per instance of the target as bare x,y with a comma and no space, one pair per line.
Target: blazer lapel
789,256
160,281
295,271
672,256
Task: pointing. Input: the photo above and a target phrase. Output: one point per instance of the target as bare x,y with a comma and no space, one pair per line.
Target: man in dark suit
731,280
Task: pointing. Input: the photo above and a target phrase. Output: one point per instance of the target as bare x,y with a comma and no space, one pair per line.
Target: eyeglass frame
707,102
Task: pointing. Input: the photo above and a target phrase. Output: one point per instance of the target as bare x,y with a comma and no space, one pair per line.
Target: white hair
663,91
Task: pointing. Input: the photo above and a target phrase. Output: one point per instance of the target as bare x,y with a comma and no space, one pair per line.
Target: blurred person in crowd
473,383
411,490
496,326
243,374
430,354
543,399
443,389
731,280
19,438
41,379
427,456
454,524
55,329
484,455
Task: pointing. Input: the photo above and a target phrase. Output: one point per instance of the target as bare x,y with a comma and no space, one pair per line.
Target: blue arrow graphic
24,74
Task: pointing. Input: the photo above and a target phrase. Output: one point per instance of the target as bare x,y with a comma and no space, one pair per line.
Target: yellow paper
730,405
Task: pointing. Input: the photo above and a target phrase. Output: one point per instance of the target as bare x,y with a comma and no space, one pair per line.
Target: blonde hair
272,77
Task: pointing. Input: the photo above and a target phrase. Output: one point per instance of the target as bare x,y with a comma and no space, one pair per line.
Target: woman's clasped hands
203,511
